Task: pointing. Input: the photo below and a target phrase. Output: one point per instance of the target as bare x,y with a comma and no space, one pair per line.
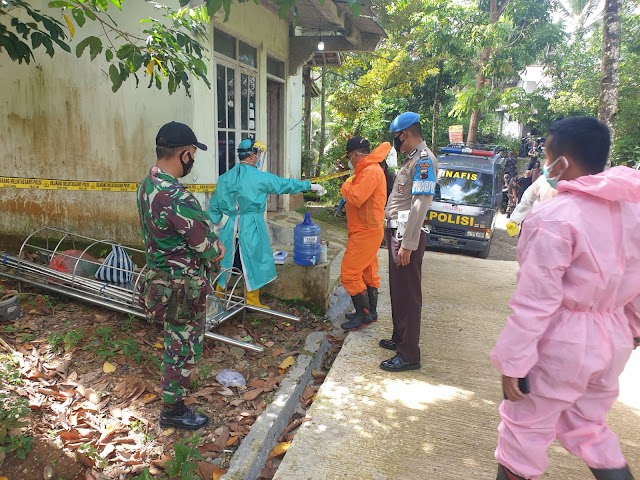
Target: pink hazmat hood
615,184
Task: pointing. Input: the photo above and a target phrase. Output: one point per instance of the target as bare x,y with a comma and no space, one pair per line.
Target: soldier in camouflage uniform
180,247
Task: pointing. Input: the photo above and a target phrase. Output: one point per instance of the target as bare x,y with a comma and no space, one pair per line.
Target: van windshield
461,187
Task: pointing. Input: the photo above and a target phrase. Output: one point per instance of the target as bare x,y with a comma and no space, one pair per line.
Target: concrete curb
247,462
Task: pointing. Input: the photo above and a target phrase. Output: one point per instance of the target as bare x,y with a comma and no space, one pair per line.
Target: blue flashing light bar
467,151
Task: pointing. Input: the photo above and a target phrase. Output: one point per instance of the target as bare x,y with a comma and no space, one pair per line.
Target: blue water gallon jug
306,242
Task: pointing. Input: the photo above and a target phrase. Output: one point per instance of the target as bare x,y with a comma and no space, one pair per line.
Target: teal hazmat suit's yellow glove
513,228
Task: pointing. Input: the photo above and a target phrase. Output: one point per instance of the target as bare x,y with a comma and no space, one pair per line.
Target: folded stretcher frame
122,298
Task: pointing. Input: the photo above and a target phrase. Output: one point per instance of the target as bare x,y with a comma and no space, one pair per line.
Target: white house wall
60,120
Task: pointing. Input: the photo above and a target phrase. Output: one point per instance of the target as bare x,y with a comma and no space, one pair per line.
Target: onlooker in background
510,168
389,176
512,192
535,171
539,191
524,182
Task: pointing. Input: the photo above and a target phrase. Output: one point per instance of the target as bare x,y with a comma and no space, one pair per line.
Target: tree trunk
610,73
474,121
496,9
437,96
306,80
322,121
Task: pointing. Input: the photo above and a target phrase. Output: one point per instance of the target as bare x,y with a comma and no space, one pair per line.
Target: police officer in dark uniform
406,209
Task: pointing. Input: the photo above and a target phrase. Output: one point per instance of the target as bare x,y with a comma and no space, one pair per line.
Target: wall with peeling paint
59,119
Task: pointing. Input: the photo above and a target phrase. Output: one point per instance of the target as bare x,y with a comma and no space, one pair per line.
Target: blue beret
404,121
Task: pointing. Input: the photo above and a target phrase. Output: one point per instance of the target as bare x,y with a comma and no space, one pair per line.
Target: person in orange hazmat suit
365,193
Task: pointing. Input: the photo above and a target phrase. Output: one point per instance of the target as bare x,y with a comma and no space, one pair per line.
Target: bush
14,412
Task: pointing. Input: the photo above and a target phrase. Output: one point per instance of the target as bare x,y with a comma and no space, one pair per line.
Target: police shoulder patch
424,180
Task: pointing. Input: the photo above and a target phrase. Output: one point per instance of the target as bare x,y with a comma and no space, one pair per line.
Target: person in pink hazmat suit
576,309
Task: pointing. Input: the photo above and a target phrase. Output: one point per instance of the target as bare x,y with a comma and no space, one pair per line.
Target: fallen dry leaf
205,392
257,383
225,391
223,437
190,400
84,460
210,447
279,450
232,441
158,346
286,363
109,367
218,472
292,426
206,470
252,394
276,352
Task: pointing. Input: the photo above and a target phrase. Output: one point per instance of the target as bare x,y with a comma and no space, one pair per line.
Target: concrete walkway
438,422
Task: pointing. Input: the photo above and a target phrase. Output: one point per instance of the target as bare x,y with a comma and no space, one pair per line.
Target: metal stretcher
32,266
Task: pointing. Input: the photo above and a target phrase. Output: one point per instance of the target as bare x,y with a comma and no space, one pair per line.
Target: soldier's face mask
186,167
397,141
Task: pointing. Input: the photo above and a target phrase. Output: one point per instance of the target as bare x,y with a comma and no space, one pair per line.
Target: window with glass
464,188
275,67
236,85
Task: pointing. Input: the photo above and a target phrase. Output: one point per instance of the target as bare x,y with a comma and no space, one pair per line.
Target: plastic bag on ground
231,378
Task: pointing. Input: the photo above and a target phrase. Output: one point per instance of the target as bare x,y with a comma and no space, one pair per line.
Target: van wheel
484,253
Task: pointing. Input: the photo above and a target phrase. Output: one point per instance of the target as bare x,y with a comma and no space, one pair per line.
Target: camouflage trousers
179,302
182,350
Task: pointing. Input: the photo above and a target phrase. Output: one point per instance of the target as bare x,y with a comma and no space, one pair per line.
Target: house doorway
275,137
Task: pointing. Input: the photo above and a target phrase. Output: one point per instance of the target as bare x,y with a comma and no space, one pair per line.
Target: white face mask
546,171
350,165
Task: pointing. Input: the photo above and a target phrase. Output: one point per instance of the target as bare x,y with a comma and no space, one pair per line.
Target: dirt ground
90,377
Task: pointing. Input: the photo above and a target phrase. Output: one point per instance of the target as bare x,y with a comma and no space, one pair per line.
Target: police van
468,196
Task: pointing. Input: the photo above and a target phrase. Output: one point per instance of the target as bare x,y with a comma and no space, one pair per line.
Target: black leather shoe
612,474
388,344
397,364
181,416
505,474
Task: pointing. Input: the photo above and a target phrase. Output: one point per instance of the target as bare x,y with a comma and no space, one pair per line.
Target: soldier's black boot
612,474
362,317
505,474
373,305
181,416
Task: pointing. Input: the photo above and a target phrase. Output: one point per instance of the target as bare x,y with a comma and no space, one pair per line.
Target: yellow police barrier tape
329,177
79,185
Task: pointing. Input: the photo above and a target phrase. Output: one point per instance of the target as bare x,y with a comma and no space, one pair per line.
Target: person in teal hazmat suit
241,195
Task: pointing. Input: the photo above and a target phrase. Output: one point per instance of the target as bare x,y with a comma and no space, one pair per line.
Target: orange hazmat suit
365,195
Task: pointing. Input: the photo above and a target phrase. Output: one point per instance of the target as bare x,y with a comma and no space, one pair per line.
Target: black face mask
397,143
186,167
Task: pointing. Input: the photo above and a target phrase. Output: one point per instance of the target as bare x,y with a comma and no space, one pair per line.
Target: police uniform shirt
413,190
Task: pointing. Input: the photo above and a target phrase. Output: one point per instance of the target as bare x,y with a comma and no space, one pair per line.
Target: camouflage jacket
175,231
